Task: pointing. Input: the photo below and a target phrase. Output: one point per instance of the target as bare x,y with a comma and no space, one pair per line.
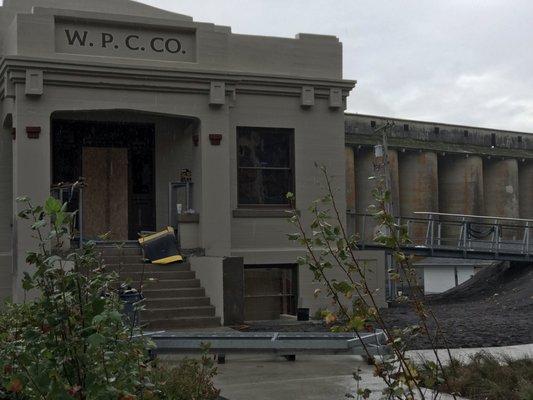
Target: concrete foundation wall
211,274
223,281
440,279
372,261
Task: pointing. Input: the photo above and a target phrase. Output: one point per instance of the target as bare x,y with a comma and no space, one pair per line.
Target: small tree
72,341
329,246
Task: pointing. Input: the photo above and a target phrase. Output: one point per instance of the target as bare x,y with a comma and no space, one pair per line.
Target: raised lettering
173,45
128,42
152,44
73,37
106,39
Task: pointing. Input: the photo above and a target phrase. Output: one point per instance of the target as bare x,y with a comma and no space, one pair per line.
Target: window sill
189,218
262,213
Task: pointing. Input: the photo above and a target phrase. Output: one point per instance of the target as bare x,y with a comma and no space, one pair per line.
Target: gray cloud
457,61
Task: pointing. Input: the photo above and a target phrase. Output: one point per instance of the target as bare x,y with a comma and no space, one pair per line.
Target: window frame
291,168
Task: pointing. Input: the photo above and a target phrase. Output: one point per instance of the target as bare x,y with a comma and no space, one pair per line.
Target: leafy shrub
71,341
485,377
191,380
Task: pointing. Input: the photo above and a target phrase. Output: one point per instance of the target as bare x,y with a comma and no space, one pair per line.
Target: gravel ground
495,308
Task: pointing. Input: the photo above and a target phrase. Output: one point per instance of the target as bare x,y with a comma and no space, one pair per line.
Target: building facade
138,100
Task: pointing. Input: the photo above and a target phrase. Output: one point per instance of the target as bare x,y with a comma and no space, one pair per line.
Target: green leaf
96,339
38,225
52,206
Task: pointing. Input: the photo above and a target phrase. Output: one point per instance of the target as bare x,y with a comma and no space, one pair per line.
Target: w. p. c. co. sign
118,41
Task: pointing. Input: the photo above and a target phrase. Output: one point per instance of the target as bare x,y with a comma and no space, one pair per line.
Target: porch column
31,177
215,217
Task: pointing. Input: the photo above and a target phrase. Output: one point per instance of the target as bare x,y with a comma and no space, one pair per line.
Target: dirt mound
506,283
494,308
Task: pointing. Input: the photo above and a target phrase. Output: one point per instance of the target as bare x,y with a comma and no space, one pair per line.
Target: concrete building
444,168
138,100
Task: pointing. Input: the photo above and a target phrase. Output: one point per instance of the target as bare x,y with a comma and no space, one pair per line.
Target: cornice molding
130,77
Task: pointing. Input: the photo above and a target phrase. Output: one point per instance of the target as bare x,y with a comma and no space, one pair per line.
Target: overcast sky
457,61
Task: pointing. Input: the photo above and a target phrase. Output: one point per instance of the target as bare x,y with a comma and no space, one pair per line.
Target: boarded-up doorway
105,198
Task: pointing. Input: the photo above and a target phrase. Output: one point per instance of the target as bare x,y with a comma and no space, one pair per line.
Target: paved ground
315,377
310,377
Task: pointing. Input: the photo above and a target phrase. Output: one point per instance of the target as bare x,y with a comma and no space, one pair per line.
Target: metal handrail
472,216
463,234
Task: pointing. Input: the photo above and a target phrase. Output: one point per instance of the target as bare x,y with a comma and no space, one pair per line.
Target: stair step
171,293
163,275
147,268
176,302
125,251
127,259
181,312
168,284
185,322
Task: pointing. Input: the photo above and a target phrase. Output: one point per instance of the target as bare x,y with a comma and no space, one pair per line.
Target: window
265,164
373,124
437,130
406,127
465,133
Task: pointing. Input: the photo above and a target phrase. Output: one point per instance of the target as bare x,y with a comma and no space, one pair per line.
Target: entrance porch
127,173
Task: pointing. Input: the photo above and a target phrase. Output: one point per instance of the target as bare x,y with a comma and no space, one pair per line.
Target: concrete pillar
29,179
350,189
501,188
364,168
525,190
6,213
461,185
394,181
460,191
350,178
418,172
215,218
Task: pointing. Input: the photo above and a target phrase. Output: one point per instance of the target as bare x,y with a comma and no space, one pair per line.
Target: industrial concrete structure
442,168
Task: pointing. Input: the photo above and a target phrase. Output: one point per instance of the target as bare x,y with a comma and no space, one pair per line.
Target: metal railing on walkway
454,235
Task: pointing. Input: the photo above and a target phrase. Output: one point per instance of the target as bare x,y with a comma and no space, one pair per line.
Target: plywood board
105,198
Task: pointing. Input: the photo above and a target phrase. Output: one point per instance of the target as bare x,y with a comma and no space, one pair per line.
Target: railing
454,235
72,194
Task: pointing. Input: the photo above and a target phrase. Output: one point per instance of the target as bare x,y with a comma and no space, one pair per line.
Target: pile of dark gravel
494,308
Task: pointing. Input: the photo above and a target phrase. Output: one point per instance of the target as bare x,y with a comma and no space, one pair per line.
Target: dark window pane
259,147
260,186
265,165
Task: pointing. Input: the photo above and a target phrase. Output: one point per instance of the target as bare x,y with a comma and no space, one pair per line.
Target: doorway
117,162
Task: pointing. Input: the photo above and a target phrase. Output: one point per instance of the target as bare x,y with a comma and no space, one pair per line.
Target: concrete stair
174,298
